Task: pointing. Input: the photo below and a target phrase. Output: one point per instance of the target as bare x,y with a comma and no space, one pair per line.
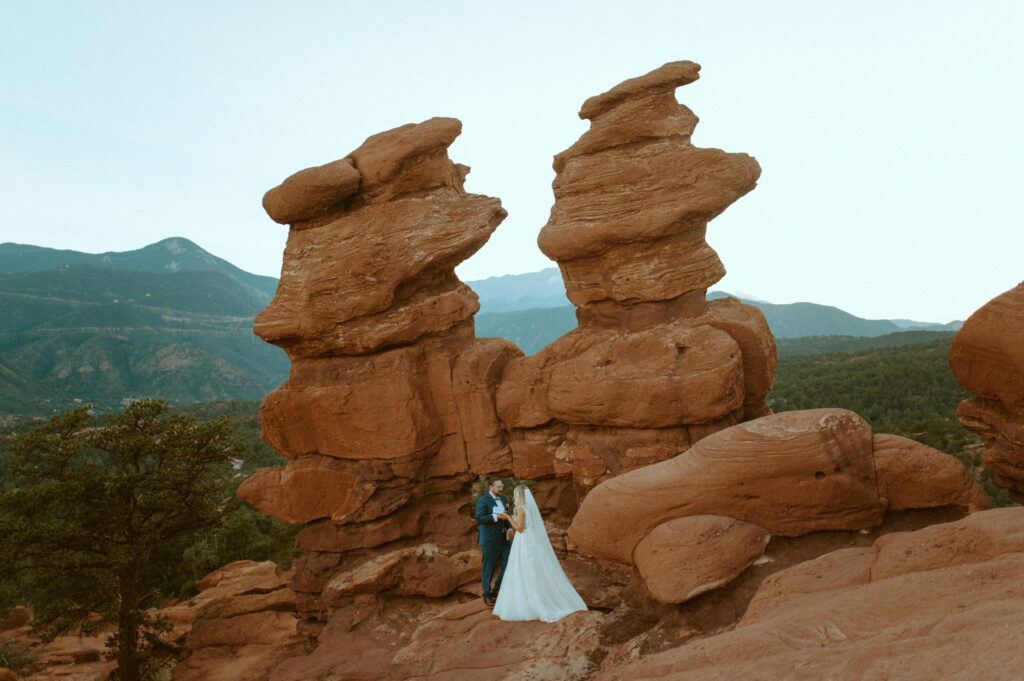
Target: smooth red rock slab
666,376
955,613
312,192
914,475
306,489
987,353
468,640
792,473
685,557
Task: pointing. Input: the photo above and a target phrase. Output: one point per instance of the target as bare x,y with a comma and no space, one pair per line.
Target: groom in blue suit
494,537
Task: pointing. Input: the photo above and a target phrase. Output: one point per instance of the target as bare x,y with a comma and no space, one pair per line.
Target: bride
534,587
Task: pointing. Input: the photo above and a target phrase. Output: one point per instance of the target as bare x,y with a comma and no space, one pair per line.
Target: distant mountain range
531,310
167,320
174,321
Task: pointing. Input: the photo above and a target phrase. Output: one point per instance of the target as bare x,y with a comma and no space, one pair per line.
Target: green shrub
15,656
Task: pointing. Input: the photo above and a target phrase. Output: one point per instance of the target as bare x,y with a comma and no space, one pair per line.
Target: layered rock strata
987,358
388,411
653,367
648,411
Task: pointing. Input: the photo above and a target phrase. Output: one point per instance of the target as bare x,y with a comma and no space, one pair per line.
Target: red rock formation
241,623
392,407
987,358
789,474
945,602
632,201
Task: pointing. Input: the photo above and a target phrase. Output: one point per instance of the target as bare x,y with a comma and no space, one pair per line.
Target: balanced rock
987,358
633,198
791,473
712,508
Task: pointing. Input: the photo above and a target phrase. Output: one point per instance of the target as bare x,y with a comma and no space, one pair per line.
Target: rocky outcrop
987,358
789,474
633,198
245,625
651,413
392,406
942,602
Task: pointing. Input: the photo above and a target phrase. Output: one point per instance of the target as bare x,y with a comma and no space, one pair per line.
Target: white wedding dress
535,586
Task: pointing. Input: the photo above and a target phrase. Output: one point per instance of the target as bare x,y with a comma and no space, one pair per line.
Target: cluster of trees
113,516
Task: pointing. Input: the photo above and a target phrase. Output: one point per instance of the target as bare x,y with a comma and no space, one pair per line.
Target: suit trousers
494,556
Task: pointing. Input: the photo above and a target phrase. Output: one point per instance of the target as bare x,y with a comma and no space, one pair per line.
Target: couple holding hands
530,584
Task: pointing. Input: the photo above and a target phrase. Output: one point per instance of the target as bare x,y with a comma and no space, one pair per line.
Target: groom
494,537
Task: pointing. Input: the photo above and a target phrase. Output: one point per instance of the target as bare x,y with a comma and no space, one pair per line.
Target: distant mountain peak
173,254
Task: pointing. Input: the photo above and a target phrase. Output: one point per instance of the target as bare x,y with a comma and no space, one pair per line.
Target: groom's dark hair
491,479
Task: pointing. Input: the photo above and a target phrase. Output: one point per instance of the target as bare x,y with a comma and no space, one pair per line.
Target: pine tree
84,507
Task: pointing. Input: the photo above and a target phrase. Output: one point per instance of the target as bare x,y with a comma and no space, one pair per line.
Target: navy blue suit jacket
492,534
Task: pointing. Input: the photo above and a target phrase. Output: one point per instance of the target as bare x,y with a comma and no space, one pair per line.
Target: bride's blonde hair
519,497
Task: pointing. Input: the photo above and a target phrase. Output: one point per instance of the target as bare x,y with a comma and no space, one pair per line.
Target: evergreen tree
85,508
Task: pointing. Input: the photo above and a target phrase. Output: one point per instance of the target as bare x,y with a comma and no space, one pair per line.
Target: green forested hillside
906,390
810,345
83,333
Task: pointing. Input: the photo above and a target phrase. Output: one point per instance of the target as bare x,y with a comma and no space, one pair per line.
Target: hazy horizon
887,132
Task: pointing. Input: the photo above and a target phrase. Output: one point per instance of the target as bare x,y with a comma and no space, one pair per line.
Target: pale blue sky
889,133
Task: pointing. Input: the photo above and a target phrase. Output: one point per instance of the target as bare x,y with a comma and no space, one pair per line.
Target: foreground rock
789,474
987,358
945,602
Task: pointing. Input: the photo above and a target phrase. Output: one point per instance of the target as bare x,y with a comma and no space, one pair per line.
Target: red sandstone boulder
306,489
375,270
913,475
246,625
987,353
19,616
943,602
312,192
792,473
685,557
987,358
668,376
1004,448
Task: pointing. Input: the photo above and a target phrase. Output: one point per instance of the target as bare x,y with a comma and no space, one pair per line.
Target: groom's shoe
489,601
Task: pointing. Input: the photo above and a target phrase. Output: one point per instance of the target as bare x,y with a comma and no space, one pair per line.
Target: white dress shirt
499,506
